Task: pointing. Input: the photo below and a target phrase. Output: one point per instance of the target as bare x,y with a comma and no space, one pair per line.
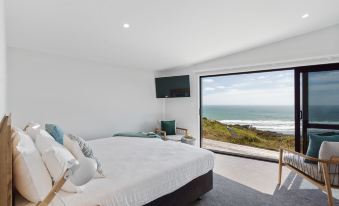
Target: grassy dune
246,135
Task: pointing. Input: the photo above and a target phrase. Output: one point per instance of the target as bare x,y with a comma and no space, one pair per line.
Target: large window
244,111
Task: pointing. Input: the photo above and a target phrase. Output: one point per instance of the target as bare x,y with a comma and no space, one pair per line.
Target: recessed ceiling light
305,16
126,26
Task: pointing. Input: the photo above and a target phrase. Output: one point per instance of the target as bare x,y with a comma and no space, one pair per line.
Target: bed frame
186,194
6,188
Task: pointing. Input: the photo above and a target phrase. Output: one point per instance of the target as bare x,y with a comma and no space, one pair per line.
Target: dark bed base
187,193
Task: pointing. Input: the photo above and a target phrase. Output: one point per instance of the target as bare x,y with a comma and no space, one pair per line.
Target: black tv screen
168,87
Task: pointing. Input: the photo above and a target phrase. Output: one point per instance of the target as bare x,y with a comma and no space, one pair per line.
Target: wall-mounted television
169,87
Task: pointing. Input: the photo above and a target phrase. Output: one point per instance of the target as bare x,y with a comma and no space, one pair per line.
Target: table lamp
78,172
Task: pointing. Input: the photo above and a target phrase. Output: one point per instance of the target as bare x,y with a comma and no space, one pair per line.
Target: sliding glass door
269,109
318,103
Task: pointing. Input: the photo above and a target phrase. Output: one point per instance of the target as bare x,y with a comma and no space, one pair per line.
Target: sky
265,88
324,88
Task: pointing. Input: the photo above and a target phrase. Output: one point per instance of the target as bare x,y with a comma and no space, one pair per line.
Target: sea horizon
274,118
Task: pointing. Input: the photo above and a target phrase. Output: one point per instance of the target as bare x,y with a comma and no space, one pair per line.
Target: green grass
246,135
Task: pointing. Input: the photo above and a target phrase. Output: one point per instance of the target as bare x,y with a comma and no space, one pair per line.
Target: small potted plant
188,139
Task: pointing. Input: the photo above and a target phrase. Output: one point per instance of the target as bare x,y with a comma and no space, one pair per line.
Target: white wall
83,97
312,48
2,61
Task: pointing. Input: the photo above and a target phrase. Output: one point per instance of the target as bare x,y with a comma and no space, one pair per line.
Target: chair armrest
183,130
334,160
308,157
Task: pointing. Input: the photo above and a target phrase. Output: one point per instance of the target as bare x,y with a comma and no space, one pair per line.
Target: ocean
266,118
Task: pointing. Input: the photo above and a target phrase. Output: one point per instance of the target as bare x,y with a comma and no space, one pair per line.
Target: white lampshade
83,172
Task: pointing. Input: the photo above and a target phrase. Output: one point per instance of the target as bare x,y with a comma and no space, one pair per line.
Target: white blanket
139,170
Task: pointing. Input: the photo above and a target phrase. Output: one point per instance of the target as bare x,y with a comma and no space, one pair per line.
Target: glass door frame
301,88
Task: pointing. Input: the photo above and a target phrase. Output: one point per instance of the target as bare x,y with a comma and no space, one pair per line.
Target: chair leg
327,184
280,166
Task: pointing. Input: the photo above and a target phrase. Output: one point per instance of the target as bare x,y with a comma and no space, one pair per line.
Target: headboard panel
6,189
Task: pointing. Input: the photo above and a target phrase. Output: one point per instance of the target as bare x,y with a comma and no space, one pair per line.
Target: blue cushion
168,127
314,143
56,132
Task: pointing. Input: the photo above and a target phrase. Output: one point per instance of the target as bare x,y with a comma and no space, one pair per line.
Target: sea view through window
254,110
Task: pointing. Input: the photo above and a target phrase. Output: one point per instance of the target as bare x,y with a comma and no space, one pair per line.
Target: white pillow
44,142
34,130
31,177
327,150
56,158
57,161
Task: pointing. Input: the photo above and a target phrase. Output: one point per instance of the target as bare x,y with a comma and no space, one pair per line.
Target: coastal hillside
246,135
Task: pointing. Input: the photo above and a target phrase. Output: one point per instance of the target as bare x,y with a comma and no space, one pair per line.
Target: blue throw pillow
56,132
314,143
168,127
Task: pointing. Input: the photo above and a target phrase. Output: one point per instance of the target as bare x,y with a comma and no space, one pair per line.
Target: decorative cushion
56,158
31,177
86,151
327,150
56,132
168,127
314,143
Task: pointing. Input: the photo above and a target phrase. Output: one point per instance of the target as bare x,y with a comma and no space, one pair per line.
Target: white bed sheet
139,170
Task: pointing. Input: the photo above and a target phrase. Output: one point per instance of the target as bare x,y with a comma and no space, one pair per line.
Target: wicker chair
322,173
180,132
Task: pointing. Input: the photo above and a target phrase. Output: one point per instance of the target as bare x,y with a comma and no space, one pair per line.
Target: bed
139,171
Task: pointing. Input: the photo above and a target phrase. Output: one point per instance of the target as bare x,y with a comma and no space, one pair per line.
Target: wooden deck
241,150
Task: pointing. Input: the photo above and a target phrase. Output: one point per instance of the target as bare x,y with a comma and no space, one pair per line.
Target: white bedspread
140,170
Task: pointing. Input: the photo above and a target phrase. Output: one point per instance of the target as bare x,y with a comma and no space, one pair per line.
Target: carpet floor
241,181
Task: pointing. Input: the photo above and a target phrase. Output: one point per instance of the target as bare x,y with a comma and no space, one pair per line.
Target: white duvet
139,170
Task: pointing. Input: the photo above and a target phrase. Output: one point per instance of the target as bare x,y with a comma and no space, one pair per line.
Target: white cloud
208,80
258,89
272,96
261,77
209,89
240,85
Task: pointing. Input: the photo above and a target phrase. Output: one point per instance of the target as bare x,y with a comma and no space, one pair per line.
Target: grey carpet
227,192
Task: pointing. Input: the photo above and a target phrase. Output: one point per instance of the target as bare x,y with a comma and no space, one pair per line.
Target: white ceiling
163,34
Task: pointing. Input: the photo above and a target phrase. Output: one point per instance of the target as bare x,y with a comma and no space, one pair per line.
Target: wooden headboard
6,188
